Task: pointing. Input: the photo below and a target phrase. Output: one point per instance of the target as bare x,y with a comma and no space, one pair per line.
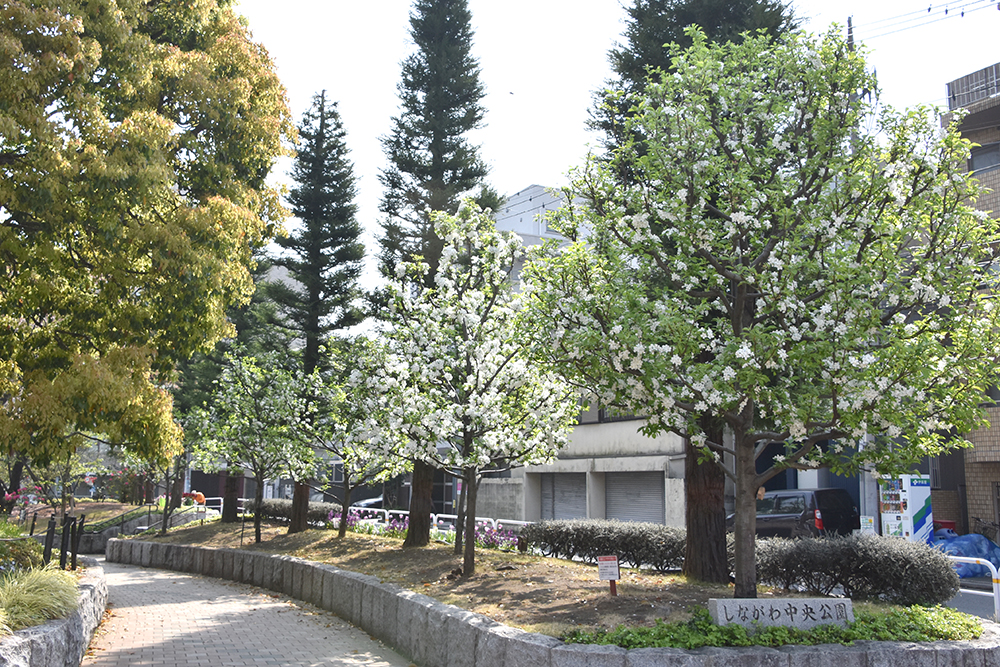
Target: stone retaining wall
63,642
433,634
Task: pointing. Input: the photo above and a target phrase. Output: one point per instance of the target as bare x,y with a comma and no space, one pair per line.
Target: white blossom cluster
766,268
456,379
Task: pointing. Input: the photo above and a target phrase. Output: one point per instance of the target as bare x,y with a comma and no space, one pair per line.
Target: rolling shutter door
635,496
564,496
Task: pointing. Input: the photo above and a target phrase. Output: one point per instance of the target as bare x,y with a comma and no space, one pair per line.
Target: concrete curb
433,634
62,642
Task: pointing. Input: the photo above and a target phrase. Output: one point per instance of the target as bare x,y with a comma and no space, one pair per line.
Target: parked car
369,503
805,513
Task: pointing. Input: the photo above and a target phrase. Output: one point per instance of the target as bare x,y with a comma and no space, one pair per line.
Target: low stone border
433,634
63,642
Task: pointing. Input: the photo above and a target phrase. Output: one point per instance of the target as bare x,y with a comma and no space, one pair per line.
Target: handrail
995,577
118,519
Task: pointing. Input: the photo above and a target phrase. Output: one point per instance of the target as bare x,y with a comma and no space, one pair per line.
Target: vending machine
905,505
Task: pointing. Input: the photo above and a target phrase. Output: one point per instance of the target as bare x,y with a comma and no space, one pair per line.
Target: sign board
801,613
607,568
867,525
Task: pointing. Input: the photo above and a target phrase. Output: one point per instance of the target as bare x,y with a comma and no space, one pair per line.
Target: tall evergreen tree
324,258
652,25
432,164
324,255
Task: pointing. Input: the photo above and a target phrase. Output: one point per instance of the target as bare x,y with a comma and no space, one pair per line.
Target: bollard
50,535
67,528
77,534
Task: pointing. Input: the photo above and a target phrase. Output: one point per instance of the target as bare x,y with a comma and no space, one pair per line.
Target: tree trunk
746,520
346,507
460,504
471,491
300,508
418,534
705,556
258,500
15,484
168,506
230,499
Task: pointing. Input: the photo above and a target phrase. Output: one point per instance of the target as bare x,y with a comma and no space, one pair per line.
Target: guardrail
216,503
439,521
996,581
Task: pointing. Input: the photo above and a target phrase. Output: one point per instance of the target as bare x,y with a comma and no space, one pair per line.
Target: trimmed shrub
637,544
864,566
280,509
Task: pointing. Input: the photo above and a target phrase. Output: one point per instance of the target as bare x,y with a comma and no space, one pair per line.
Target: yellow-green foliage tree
135,138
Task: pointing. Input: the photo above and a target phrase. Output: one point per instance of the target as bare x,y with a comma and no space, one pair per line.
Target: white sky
542,60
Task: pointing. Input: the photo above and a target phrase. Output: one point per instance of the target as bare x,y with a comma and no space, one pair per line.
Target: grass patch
32,597
911,624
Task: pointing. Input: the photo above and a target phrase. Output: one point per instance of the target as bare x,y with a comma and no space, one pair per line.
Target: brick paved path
172,619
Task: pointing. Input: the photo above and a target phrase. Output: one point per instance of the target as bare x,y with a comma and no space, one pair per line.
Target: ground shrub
864,567
280,509
32,597
909,624
636,544
17,552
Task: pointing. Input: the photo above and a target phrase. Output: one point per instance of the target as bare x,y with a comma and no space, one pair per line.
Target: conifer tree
324,255
324,258
432,164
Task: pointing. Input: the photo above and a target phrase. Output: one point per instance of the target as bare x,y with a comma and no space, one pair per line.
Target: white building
608,469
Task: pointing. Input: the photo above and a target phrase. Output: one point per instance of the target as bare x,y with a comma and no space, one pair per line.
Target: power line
893,25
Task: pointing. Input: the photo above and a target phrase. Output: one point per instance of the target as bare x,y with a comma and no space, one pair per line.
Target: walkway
167,618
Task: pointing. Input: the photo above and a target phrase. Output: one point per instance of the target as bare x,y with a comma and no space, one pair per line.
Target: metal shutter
635,496
564,495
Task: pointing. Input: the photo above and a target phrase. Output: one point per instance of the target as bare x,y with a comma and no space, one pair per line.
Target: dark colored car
805,513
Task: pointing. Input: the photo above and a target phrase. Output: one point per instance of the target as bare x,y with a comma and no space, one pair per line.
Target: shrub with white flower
800,284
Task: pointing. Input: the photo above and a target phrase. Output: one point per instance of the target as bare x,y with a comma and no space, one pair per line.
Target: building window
985,157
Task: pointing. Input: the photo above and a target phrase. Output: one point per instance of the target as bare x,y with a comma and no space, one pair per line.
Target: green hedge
636,544
278,509
860,567
864,567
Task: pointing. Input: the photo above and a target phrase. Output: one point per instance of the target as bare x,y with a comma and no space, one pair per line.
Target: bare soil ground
539,594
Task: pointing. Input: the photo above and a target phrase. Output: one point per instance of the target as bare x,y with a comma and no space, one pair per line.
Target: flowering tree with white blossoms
464,390
767,269
249,422
347,420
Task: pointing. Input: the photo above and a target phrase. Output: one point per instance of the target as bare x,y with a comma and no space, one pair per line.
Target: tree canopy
324,254
798,261
432,163
135,140
459,380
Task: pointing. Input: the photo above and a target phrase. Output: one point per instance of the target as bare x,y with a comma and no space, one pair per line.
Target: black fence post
34,518
77,534
50,535
67,528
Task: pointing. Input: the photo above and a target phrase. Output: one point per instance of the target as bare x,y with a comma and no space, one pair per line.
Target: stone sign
802,613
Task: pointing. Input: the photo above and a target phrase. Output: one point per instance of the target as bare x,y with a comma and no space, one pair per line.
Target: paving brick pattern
158,617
